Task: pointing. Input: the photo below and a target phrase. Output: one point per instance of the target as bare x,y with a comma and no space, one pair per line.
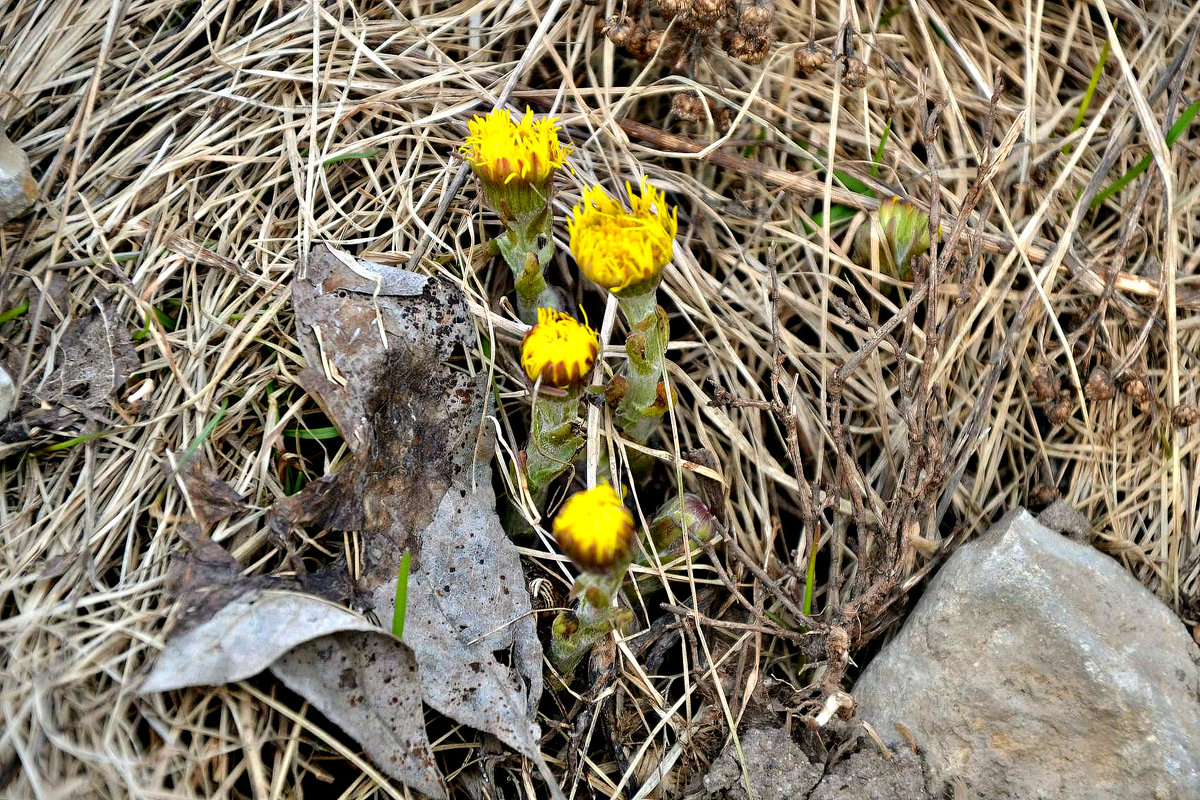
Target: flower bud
559,350
677,515
901,231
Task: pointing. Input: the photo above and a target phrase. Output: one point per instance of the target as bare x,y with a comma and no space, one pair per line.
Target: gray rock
776,766
1065,518
18,189
1036,667
867,775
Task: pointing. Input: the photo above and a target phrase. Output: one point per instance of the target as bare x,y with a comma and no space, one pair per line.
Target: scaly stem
527,246
554,439
574,633
640,410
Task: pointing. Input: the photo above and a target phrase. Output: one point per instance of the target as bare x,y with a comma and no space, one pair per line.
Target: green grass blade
1089,92
204,434
1176,130
878,158
810,579
313,433
349,157
401,597
69,443
837,215
13,313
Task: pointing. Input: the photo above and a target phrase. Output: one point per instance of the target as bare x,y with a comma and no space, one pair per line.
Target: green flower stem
554,439
574,633
640,410
527,246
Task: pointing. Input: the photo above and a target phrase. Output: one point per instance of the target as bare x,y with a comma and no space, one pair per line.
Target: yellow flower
595,528
559,350
502,151
617,248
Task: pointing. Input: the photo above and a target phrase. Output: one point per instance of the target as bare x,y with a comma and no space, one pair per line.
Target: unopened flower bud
901,231
679,515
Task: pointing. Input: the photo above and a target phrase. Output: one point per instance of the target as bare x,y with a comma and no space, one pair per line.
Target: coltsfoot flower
559,350
595,529
502,151
616,248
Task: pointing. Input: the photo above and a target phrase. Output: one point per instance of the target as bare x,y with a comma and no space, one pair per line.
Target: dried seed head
855,76
1040,174
636,46
724,121
654,40
1099,385
1043,495
687,106
809,59
755,16
1061,411
673,8
705,13
749,48
1135,387
1046,385
618,29
1184,415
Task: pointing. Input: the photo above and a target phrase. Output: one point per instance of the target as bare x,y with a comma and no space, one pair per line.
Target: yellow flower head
617,248
502,151
559,350
595,528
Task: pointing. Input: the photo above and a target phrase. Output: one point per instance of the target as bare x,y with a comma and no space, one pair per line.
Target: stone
18,189
867,775
776,766
1037,667
1065,518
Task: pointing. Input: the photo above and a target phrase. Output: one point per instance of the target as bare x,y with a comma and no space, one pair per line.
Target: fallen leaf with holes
378,341
92,361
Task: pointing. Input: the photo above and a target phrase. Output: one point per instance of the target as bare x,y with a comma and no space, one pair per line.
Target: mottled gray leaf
245,637
377,341
466,601
94,358
367,683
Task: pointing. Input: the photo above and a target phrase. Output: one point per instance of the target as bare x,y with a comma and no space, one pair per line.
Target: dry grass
189,153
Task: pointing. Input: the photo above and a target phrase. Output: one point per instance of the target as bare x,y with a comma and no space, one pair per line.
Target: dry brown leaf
210,498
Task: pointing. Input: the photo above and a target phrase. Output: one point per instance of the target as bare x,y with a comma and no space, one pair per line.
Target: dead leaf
367,684
462,608
245,637
95,357
210,498
377,340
